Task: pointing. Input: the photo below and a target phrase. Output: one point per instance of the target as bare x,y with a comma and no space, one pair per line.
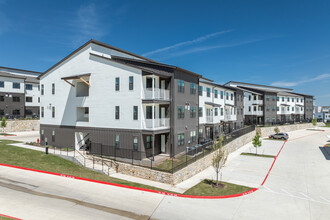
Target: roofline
219,85
10,68
97,43
302,94
275,87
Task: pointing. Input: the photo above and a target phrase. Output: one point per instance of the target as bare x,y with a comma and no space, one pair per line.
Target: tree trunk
217,183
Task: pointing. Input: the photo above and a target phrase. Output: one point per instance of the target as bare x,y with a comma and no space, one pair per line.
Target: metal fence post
132,157
102,163
67,151
172,165
84,161
93,162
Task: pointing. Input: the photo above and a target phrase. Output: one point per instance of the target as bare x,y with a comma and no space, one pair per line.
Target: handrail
83,138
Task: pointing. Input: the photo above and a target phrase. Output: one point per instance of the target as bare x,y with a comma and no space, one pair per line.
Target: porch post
153,115
153,86
153,147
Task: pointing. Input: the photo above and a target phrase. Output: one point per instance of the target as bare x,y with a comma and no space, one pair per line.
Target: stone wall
22,125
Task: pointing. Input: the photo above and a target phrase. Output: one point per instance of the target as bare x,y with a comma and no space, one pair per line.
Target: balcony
257,102
257,113
157,123
156,93
209,119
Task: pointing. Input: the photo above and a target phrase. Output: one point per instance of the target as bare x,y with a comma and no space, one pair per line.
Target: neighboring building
121,100
19,93
322,113
273,105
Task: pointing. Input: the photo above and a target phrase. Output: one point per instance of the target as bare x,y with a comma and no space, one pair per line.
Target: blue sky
281,43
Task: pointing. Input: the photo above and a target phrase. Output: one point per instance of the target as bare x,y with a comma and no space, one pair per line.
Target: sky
279,43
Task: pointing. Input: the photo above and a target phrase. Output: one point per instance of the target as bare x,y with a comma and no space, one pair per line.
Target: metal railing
157,123
163,94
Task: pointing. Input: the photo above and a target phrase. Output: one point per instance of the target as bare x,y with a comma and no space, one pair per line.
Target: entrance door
162,143
162,116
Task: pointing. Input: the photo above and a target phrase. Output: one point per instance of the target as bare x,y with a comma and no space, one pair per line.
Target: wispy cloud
300,82
186,43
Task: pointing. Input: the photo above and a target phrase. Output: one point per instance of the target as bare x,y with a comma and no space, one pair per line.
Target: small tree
257,142
3,124
276,130
219,158
314,121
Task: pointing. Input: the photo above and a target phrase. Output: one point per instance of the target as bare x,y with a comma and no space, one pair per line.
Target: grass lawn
204,188
167,164
327,125
271,139
38,160
50,147
5,218
257,155
328,145
3,134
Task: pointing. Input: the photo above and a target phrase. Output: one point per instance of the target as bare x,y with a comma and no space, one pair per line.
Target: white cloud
186,43
300,82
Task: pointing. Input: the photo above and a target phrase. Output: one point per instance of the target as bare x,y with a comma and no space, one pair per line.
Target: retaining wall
22,125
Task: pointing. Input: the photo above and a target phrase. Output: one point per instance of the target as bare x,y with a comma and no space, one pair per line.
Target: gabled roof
15,69
28,79
258,85
207,81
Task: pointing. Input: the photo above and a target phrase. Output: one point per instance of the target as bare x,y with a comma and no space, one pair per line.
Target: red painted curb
7,216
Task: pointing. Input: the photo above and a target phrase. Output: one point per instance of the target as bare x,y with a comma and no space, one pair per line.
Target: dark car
283,136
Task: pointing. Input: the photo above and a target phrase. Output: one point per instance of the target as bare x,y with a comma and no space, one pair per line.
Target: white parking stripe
306,196
325,199
286,192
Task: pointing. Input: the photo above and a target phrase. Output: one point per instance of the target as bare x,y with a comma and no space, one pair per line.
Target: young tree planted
314,121
276,130
219,158
257,142
3,123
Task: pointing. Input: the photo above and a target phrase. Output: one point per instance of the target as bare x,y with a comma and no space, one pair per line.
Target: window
180,112
180,139
2,98
288,99
2,112
221,111
42,112
227,95
131,83
282,99
117,84
135,143
28,99
267,97
301,100
16,85
215,111
200,90
232,96
38,99
221,94
215,93
2,84
273,108
254,97
53,136
192,112
135,113
42,89
277,98
302,109
149,112
192,136
53,88
117,142
181,86
200,133
255,108
288,108
292,99
216,130
192,88
16,112
292,108
53,112
16,99
149,83
267,108
297,99
38,87
249,97
28,86
208,92
148,140
273,98
117,112
249,108
277,108
200,112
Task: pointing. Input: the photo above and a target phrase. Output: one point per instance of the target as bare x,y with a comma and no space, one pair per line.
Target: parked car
283,136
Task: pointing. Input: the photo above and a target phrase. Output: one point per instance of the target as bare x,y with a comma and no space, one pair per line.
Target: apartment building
322,113
273,105
101,94
220,109
19,93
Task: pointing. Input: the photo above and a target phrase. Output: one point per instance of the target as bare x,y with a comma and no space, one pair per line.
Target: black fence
290,122
170,165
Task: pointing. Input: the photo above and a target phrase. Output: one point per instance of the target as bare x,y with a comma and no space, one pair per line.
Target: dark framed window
135,112
200,133
38,99
282,99
149,83
117,142
254,97
215,93
292,108
148,112
16,85
180,112
267,97
227,96
28,86
273,108
117,83
42,89
277,108
53,88
53,136
277,98
16,112
28,99
292,99
2,112
2,84
231,96
208,92
193,112
181,86
267,108
249,108
200,112
192,136
297,99
53,112
255,108
200,90
2,98
192,88
117,112
216,111
131,83
221,94
288,108
181,139
221,111
288,99
148,142
273,98
16,99
249,97
135,143
42,112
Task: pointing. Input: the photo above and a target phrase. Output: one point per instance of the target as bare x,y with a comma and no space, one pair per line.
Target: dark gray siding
8,106
308,107
239,103
270,114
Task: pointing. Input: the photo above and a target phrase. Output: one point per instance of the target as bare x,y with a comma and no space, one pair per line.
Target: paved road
297,188
26,136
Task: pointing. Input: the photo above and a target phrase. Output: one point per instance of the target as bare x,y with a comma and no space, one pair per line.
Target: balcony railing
157,123
258,113
162,94
257,102
209,119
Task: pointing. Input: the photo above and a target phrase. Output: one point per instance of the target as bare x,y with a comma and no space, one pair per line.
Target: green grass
5,218
204,188
328,145
50,147
327,125
271,139
38,160
6,134
257,155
